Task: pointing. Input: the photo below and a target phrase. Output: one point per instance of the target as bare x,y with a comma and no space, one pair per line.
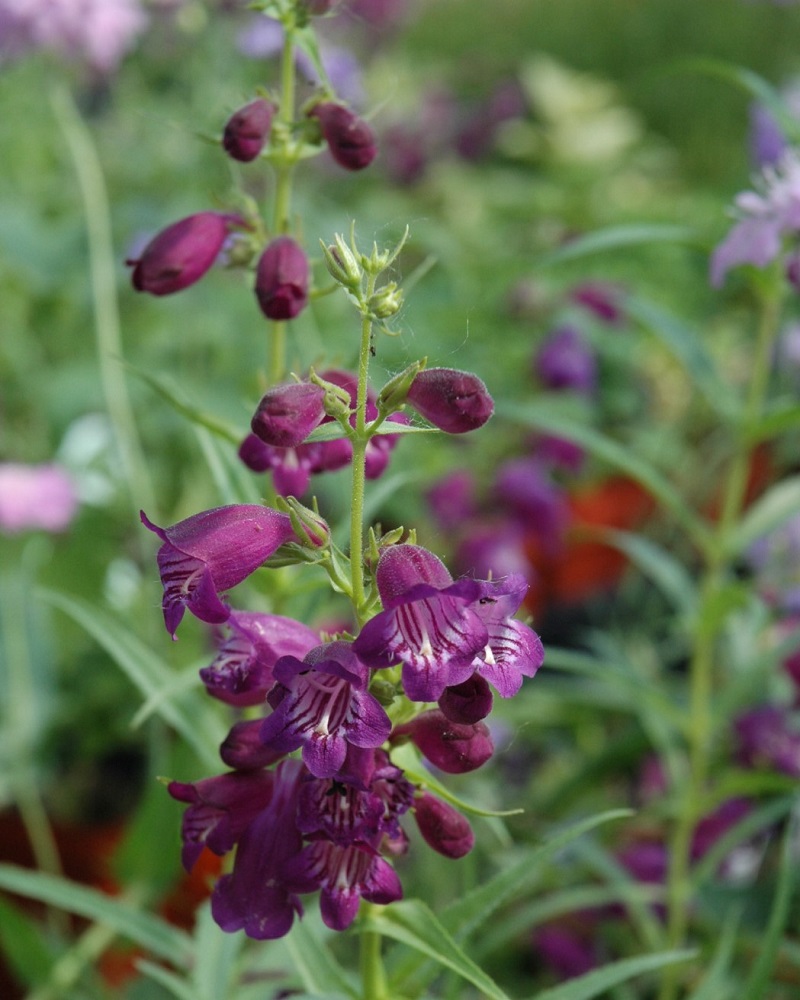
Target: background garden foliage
567,169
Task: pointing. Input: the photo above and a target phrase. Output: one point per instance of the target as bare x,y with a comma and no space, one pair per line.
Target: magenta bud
451,400
469,702
288,413
242,747
349,138
443,827
453,747
282,279
180,254
247,130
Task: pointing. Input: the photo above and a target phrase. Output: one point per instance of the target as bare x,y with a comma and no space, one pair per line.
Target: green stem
104,295
373,975
701,669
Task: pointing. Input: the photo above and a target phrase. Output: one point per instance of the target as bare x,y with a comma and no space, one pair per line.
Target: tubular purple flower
247,130
468,702
566,361
322,704
288,413
209,553
443,827
181,254
453,747
350,140
243,750
427,623
282,279
453,401
241,673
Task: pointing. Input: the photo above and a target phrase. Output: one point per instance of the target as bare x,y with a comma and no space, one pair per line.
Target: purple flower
601,299
766,737
321,704
247,130
181,254
443,827
468,702
766,216
35,497
220,809
452,499
427,623
345,875
565,361
211,552
350,140
567,953
453,747
525,488
492,548
256,897
241,673
288,413
453,401
242,747
282,279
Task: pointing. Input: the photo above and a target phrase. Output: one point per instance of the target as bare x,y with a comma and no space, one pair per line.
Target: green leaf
686,345
619,456
23,946
145,929
333,431
618,238
781,417
189,715
178,987
413,923
318,970
769,512
306,39
660,566
216,957
717,983
598,981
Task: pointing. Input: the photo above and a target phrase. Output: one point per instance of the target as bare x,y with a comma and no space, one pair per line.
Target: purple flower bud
565,361
180,254
601,299
288,413
247,130
451,746
242,747
211,552
443,827
467,703
349,138
282,279
451,400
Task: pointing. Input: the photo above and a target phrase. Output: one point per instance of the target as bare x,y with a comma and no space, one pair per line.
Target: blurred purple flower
566,361
452,499
567,953
35,497
600,298
525,488
766,738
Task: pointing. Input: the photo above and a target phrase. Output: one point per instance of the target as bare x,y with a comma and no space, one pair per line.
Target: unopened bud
350,140
393,394
311,529
443,827
451,400
453,747
386,301
288,413
282,279
467,703
247,130
181,254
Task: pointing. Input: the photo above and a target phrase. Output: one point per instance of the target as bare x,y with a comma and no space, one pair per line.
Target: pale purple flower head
209,553
567,953
181,254
452,500
525,488
566,361
35,497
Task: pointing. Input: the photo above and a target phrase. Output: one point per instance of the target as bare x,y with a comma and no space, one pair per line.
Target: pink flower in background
98,32
35,497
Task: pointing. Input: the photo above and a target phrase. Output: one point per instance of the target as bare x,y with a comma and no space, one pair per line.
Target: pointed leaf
770,511
718,983
318,970
616,238
597,982
660,566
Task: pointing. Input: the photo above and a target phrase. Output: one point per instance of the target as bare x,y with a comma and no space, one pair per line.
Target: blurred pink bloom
35,497
98,32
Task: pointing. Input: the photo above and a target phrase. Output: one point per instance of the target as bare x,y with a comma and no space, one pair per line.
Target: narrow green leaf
597,982
717,983
23,946
618,238
318,970
216,958
190,715
781,417
615,454
333,431
660,566
178,987
414,924
769,512
144,929
306,39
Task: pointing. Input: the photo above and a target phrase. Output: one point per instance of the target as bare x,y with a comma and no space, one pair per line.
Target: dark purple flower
247,130
242,747
241,673
255,897
443,827
453,747
322,704
339,811
345,874
566,361
468,702
350,140
513,650
282,279
766,737
427,623
220,809
599,298
452,499
180,254
288,413
527,490
567,953
211,552
453,401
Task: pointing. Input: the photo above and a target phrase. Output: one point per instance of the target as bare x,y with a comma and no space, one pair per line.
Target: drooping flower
181,254
241,673
443,827
247,130
454,401
35,497
209,553
428,623
282,279
322,704
350,140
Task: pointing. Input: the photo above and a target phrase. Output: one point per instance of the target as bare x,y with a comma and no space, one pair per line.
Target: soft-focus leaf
176,400
717,982
778,419
617,238
315,964
770,511
597,982
23,946
180,988
660,566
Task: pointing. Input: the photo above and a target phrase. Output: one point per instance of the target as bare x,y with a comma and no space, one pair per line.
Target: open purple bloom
255,897
241,673
321,704
211,552
427,623
220,809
